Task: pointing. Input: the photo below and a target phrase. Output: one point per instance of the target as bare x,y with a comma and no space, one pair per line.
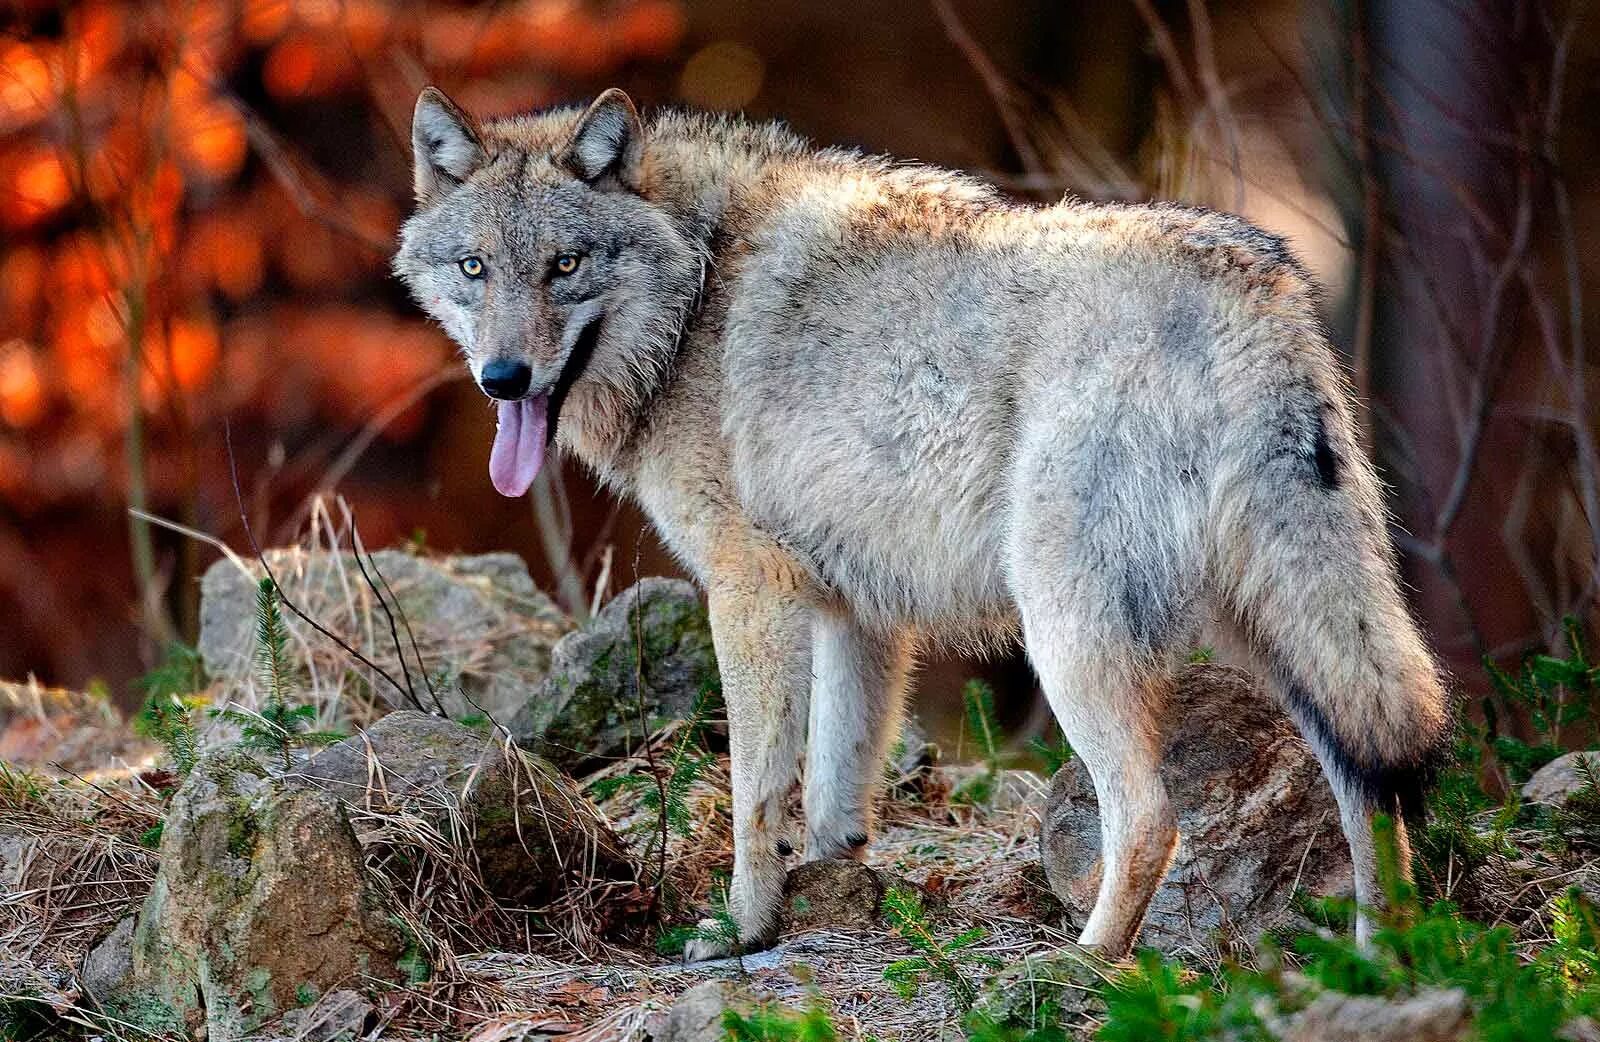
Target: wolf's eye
472,267
566,263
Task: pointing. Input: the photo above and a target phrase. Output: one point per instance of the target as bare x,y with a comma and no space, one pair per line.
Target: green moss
147,1013
242,828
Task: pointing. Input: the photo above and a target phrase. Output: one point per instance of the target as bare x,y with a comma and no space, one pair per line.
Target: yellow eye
566,263
472,267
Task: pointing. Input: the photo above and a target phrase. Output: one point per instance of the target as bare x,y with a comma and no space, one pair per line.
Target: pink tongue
518,451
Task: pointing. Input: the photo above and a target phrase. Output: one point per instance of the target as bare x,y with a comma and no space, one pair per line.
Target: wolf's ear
444,146
608,142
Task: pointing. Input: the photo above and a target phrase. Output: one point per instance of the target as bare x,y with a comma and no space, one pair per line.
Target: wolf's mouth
527,425
577,363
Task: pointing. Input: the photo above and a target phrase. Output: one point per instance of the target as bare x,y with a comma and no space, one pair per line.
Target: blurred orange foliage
177,218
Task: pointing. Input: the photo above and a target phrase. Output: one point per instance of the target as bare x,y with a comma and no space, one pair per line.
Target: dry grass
405,661
71,866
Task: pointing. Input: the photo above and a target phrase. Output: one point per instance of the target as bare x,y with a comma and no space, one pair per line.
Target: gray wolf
873,405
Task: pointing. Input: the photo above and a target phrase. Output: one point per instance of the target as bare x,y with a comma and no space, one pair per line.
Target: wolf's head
534,246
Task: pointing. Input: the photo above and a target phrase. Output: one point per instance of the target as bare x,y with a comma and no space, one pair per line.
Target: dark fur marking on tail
1324,458
1399,786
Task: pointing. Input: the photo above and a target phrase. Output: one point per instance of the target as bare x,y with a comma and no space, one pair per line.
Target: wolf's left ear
608,142
444,146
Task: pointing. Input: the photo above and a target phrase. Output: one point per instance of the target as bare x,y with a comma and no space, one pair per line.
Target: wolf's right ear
444,146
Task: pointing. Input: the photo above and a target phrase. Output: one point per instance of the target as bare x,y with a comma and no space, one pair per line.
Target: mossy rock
647,653
1066,983
531,831
261,893
478,621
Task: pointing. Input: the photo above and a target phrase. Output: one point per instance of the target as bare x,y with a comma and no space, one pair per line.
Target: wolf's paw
709,942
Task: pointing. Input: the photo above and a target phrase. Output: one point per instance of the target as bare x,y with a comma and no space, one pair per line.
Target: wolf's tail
1302,554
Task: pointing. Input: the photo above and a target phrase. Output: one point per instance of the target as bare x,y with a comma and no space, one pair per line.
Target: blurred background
199,198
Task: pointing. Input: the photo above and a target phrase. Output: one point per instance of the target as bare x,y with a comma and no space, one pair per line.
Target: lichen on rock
648,652
261,892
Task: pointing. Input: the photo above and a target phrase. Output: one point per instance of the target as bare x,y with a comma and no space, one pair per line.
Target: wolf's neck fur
718,178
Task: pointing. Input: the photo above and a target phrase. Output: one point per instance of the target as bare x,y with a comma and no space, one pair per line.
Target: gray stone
1430,1016
531,831
1256,818
697,1015
590,704
481,625
109,965
1560,778
338,1016
1070,979
261,895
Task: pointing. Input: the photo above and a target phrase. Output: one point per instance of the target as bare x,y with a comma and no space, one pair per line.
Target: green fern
1556,695
1056,754
977,699
945,961
279,726
684,765
1576,822
772,1022
1573,959
171,703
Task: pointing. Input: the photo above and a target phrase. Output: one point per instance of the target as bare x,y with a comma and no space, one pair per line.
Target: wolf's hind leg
1110,707
1356,811
857,698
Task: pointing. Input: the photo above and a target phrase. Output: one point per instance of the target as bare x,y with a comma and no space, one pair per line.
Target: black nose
507,381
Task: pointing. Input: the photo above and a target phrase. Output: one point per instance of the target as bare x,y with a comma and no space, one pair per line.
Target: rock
1580,1029
1430,1016
531,830
261,895
479,623
1255,816
110,963
1071,979
1560,778
697,1015
589,705
338,1016
846,893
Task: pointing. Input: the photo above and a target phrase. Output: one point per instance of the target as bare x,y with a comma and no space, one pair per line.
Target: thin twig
261,559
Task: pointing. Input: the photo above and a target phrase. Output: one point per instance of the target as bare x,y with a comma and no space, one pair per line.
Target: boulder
1256,818
338,1016
1429,1016
531,831
841,893
697,1015
261,896
1561,778
590,703
1070,980
484,631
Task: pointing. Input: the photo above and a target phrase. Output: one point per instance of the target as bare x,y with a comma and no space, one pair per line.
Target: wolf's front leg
762,634
857,698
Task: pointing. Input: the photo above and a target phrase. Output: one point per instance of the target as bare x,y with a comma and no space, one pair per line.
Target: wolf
876,406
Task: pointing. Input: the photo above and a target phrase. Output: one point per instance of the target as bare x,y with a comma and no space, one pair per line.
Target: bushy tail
1303,555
